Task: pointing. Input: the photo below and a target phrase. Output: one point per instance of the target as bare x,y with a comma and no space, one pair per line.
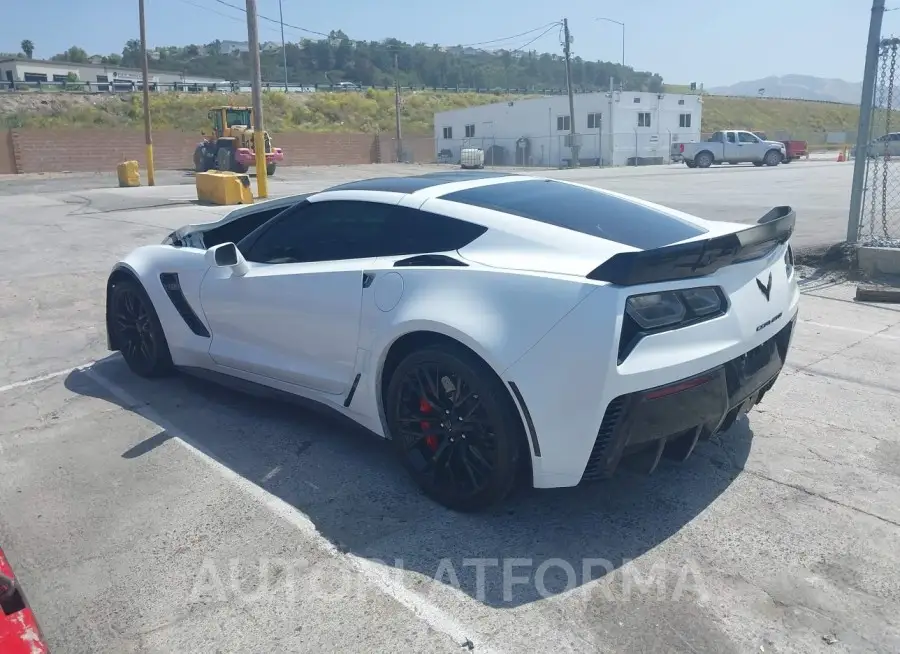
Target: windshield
237,117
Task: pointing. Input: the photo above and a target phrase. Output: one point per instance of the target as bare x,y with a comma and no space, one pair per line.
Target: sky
714,42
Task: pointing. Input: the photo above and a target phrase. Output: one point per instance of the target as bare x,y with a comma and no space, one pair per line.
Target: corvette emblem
765,289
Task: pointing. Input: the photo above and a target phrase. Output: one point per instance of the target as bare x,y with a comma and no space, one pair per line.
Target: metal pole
573,162
397,108
148,137
612,134
283,51
623,44
259,142
865,121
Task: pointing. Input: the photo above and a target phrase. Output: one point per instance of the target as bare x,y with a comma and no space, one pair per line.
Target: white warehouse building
622,128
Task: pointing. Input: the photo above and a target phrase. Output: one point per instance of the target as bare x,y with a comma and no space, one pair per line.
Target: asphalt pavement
178,516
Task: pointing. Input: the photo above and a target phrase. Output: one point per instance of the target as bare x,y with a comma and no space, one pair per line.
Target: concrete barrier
224,188
879,261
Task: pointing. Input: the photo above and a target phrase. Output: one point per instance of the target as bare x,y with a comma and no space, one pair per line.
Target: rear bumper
697,406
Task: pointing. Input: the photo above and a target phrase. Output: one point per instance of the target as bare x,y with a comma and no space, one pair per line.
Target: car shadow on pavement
346,481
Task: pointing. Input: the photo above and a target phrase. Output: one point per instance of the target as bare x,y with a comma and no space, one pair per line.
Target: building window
637,100
563,124
595,120
644,119
448,132
684,120
681,101
470,131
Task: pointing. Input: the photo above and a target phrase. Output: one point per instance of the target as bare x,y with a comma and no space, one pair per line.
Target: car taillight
681,147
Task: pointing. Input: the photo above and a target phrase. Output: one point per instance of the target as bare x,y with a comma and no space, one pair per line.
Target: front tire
200,164
223,160
772,158
138,333
270,169
454,427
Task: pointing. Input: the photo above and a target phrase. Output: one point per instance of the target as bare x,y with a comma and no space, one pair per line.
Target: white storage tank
471,158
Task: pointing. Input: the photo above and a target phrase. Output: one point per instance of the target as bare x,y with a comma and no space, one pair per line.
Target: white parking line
853,330
430,614
37,380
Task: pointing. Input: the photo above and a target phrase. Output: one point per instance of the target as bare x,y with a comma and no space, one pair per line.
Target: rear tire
270,169
138,333
704,160
690,164
463,453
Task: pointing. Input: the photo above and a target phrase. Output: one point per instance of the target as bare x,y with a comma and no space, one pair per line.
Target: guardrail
188,86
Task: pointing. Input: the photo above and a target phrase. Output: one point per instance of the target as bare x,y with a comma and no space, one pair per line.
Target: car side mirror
227,255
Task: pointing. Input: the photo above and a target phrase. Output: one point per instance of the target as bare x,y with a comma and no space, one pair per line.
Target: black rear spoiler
698,258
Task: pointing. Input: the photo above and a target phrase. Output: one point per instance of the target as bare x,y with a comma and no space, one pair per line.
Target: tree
27,47
338,58
74,54
131,54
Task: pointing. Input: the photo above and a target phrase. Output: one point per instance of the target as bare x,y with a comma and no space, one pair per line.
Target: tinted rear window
582,210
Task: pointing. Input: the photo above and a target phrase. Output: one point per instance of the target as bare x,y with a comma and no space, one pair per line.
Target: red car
19,630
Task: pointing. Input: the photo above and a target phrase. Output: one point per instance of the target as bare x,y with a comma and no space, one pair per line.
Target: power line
273,20
548,27
515,36
542,34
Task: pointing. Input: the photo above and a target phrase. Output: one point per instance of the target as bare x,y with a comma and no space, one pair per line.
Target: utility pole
865,121
259,141
148,137
283,51
399,136
573,161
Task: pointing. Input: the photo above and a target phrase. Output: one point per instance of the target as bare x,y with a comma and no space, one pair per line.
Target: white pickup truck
732,146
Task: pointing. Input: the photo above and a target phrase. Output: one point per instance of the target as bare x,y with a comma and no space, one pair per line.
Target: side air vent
433,260
172,286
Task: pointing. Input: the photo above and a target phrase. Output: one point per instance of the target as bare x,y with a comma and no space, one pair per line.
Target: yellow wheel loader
229,146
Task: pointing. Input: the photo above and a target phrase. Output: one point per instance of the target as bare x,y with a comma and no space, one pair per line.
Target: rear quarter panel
498,315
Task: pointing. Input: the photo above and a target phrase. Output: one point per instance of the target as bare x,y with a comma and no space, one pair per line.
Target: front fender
145,265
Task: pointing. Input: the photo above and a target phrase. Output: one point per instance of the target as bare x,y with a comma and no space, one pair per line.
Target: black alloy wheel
138,333
455,428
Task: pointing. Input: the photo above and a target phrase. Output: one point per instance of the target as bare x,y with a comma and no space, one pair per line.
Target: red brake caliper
430,439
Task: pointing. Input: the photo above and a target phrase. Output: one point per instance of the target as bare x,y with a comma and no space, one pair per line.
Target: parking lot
177,516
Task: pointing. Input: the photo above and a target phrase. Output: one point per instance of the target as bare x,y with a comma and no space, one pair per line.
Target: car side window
730,137
321,231
336,230
411,231
747,137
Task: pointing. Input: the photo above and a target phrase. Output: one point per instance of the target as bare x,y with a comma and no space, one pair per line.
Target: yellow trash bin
129,173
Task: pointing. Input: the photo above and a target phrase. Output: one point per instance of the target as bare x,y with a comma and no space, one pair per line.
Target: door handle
367,279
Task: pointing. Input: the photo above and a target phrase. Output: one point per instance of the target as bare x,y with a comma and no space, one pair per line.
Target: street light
622,25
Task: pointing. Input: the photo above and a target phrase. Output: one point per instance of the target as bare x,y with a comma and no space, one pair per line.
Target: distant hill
800,87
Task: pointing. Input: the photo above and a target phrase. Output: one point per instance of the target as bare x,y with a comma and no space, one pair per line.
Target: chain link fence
880,218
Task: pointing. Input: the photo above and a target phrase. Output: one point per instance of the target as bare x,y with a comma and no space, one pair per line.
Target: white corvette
488,324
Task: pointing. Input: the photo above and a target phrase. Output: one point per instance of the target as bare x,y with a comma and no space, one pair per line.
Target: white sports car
488,324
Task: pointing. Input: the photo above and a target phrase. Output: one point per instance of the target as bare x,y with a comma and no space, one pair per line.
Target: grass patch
373,111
